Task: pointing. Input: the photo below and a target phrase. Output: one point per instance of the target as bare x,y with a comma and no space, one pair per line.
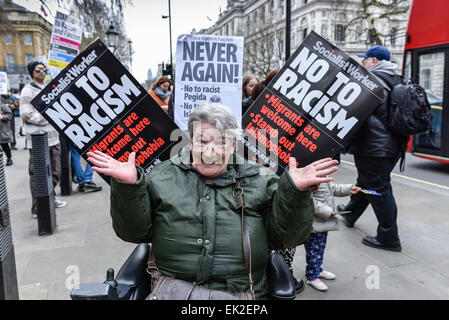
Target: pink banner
66,42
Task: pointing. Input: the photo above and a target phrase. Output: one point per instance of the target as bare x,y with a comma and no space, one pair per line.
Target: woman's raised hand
313,174
104,164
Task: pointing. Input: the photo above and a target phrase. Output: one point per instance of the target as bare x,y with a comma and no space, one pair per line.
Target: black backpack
409,110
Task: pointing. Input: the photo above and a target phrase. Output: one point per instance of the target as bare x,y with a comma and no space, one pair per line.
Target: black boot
9,162
299,284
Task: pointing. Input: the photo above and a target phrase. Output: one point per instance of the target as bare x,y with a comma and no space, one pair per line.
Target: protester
6,136
248,83
323,221
185,206
32,121
14,105
161,92
83,177
11,102
260,86
376,151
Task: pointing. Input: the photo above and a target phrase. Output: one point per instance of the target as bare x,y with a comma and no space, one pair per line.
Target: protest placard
65,42
3,83
208,69
311,108
96,104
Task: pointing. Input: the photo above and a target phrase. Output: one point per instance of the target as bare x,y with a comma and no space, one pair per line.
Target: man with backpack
376,150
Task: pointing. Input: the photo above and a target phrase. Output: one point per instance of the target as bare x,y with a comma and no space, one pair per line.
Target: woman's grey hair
216,113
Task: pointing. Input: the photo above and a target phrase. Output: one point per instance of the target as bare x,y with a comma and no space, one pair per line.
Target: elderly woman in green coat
186,209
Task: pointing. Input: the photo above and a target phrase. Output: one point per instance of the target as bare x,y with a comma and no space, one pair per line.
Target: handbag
168,288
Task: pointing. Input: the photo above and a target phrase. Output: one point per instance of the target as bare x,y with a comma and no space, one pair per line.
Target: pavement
84,244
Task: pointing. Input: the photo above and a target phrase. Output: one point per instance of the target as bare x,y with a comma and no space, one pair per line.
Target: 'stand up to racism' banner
208,69
97,105
310,109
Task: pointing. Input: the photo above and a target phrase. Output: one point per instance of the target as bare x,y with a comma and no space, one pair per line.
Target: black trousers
6,149
374,174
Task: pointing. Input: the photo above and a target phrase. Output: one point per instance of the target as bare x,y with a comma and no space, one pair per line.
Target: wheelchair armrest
133,271
132,281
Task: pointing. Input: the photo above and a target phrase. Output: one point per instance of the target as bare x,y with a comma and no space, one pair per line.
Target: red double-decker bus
426,61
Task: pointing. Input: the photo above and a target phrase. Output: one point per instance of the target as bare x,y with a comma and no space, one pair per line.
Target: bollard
8,276
45,196
66,168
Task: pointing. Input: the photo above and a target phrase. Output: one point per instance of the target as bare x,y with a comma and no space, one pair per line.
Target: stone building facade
262,24
24,36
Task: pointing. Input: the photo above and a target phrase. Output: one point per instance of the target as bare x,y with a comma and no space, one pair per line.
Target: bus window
431,78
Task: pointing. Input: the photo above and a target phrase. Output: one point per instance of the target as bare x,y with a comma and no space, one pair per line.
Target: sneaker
327,275
317,284
89,186
34,216
9,162
60,204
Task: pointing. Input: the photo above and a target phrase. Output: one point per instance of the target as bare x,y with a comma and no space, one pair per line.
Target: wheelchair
133,282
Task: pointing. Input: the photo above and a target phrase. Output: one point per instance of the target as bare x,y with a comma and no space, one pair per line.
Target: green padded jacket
195,228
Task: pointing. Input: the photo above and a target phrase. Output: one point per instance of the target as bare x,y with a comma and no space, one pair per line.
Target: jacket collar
240,169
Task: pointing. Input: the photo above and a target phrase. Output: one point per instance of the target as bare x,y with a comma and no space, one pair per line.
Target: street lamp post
130,55
288,22
21,84
169,26
112,35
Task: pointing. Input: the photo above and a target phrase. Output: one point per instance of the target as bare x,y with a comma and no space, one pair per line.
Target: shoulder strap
237,192
152,268
389,81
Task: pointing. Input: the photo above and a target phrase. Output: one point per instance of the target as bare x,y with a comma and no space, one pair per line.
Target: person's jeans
81,175
374,174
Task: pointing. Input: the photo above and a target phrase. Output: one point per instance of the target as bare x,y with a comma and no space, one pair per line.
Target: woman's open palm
104,164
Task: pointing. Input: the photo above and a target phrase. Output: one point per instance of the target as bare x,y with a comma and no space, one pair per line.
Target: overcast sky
150,33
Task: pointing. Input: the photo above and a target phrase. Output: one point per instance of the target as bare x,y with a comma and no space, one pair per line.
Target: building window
324,31
371,36
9,39
10,61
304,33
393,36
323,13
28,58
27,39
339,33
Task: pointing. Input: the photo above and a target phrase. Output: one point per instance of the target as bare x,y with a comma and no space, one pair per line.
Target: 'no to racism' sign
317,100
97,105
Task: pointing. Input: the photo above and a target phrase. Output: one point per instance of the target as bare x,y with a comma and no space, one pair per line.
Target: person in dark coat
6,136
376,150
